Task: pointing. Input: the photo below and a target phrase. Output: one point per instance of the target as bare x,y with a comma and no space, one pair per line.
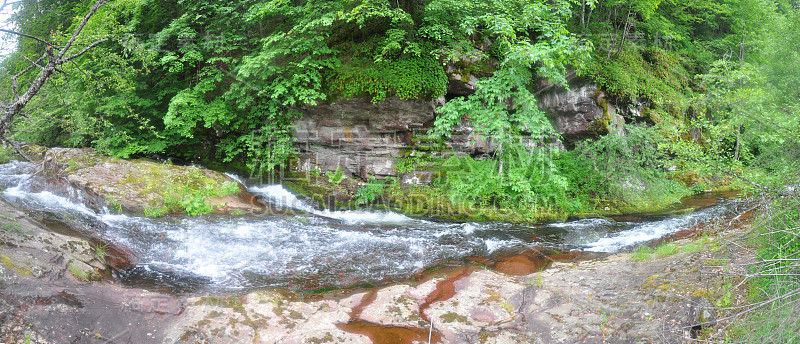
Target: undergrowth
645,253
774,313
609,175
187,193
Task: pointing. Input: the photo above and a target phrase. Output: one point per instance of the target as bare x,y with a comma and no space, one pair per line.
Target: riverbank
578,298
432,201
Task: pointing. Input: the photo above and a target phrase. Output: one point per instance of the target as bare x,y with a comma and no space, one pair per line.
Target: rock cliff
365,139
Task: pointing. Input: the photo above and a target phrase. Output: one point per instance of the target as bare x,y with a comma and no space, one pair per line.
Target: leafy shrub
525,179
335,177
195,204
625,169
188,193
659,75
370,192
6,153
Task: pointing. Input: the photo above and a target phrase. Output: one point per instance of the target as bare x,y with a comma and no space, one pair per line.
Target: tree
49,63
531,40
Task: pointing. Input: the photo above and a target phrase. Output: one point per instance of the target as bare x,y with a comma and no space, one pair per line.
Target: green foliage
666,250
195,205
503,105
336,177
417,160
100,251
660,76
76,268
188,193
503,108
6,154
219,81
527,180
703,244
725,299
370,192
642,253
774,281
627,170
154,212
415,77
490,113
780,244
10,224
646,253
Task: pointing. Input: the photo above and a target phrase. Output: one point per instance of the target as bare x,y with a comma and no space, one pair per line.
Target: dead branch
77,32
69,58
26,36
54,61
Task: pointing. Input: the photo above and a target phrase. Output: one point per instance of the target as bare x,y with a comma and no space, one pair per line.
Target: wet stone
394,306
483,299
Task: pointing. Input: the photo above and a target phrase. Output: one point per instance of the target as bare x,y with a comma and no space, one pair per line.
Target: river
311,249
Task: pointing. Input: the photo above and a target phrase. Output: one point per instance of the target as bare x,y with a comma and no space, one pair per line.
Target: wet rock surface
47,293
610,299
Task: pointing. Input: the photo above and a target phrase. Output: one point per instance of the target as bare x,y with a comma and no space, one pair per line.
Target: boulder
140,185
580,112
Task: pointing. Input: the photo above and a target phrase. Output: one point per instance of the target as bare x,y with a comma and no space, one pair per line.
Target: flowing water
311,249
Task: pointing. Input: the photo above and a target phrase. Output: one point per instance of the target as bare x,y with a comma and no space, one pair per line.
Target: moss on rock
147,187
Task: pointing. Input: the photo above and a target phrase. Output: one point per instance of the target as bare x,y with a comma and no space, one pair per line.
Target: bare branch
753,307
77,32
29,67
32,62
26,35
16,147
69,58
79,69
54,61
6,3
62,71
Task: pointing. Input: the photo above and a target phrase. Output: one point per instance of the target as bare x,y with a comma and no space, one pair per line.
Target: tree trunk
738,142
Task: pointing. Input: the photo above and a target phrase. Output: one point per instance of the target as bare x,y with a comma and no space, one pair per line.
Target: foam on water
645,232
354,217
582,223
493,245
46,199
278,195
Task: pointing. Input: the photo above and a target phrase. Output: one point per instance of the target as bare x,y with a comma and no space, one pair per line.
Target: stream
312,249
